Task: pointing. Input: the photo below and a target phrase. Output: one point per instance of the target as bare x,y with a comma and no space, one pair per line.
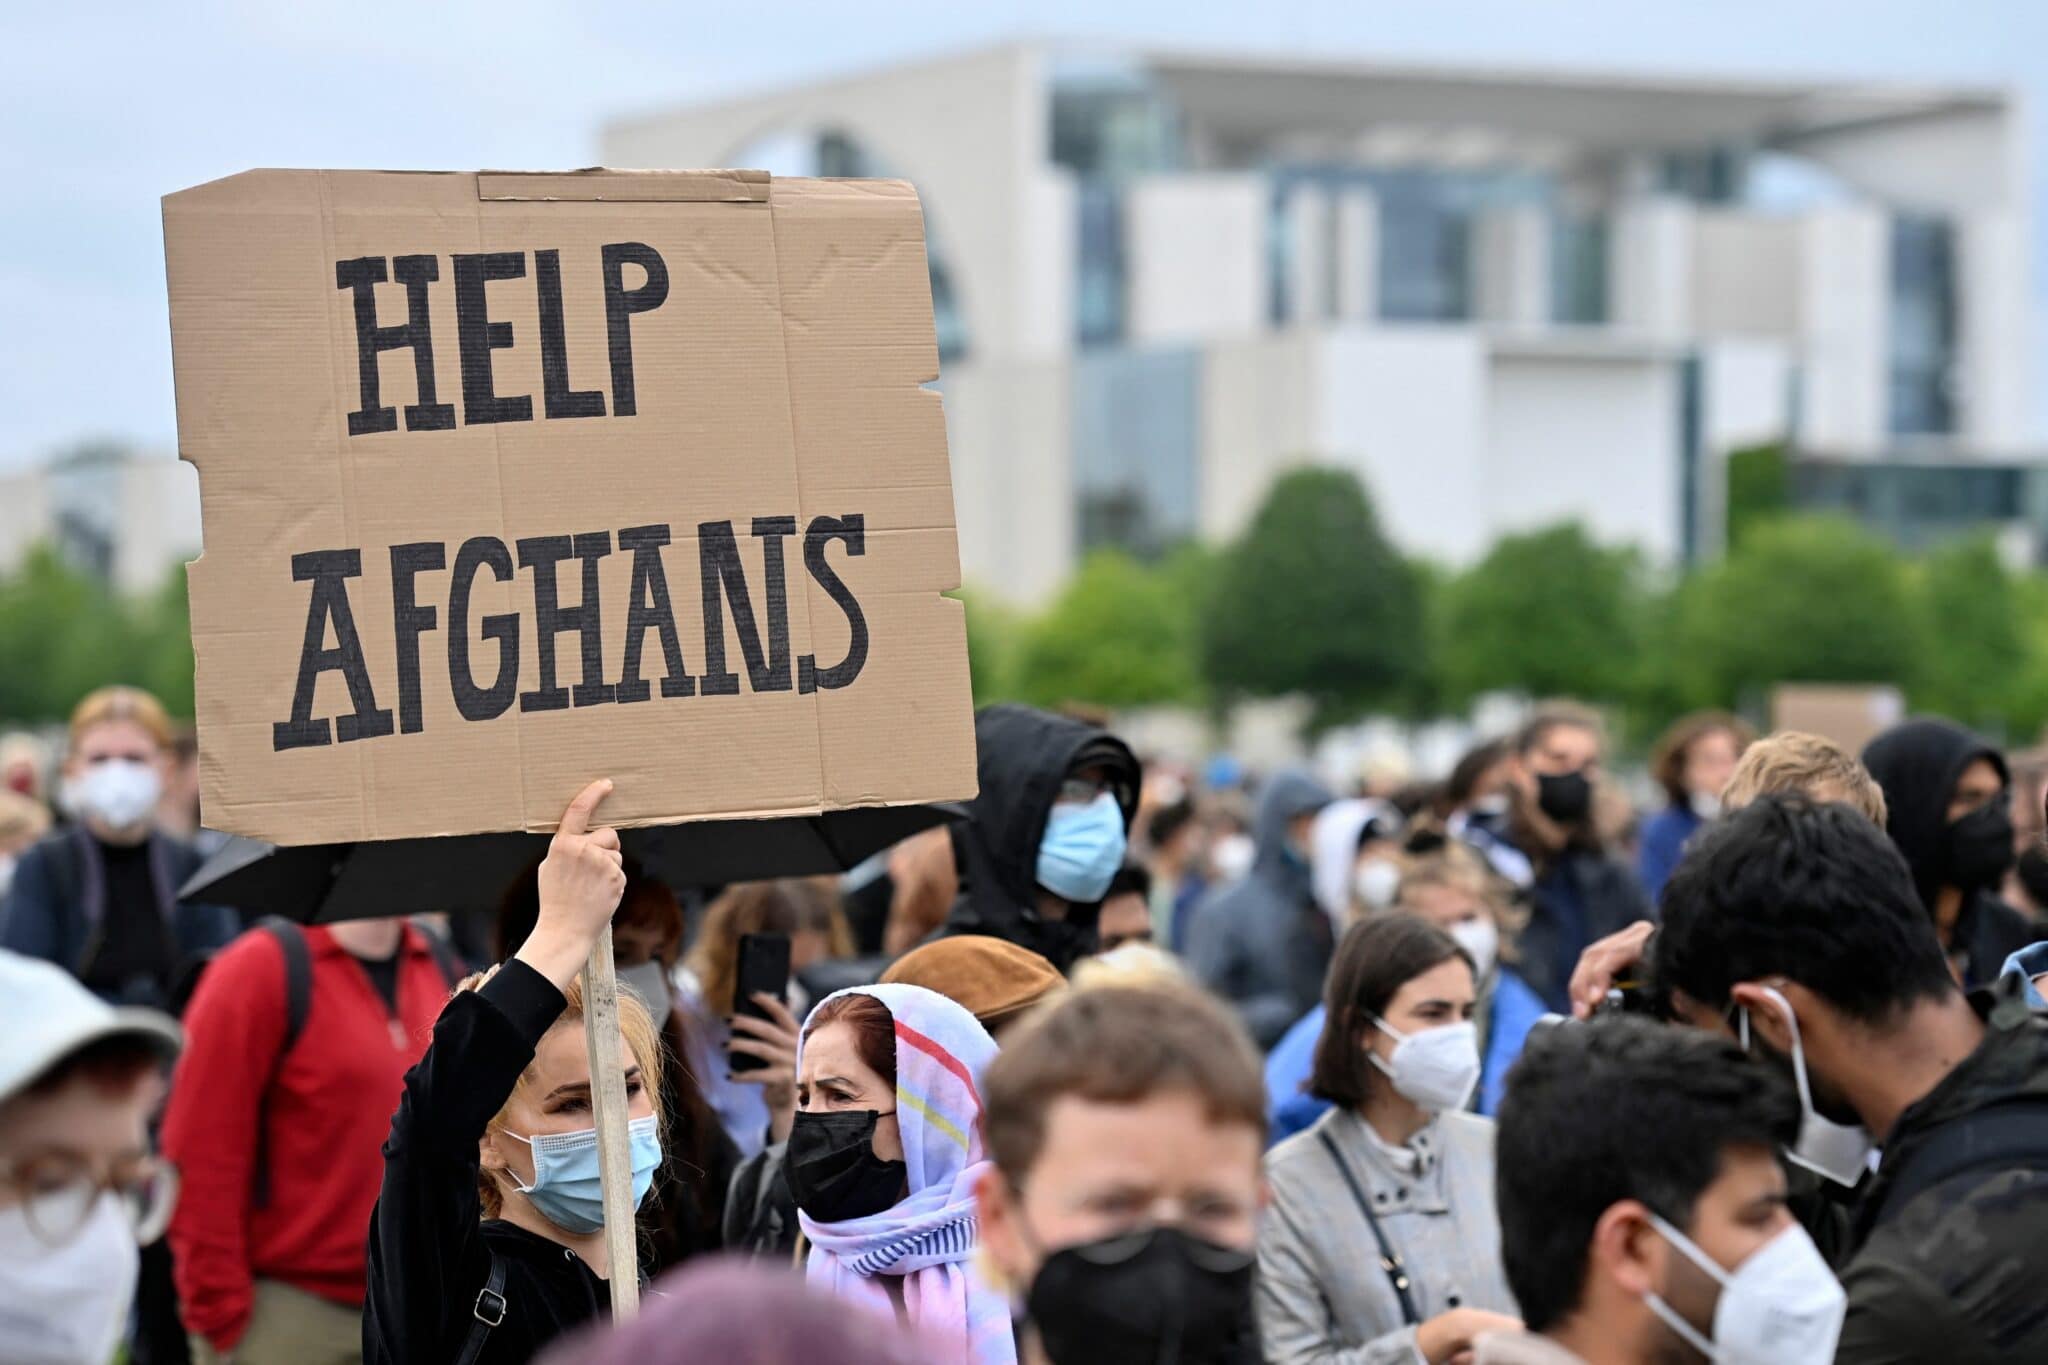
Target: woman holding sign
883,1158
488,1237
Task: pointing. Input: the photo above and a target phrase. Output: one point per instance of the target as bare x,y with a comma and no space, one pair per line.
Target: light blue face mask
1082,849
566,1187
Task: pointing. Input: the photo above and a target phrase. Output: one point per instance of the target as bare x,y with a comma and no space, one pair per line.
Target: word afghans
763,636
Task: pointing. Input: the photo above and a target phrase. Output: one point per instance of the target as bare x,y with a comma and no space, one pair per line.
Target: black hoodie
1917,763
1024,756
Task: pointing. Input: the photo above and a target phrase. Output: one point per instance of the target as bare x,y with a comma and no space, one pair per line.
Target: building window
1100,276
1578,268
1425,265
1135,448
1923,326
1915,504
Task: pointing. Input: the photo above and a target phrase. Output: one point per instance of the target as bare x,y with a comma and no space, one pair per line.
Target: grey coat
1323,1296
1263,943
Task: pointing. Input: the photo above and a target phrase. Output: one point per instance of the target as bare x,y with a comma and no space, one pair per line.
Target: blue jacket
2026,964
1663,843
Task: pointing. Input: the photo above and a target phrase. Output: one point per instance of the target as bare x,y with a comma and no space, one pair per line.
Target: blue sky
106,107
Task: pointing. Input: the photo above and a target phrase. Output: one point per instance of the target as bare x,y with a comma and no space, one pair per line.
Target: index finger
576,819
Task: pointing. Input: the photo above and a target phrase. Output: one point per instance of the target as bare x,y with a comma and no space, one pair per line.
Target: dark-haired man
1642,1206
1801,922
1125,1127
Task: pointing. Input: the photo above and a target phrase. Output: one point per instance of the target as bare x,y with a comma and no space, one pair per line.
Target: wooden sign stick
608,1106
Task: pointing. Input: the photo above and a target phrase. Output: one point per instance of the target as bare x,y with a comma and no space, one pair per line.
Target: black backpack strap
1397,1273
2009,1136
488,1311
298,1002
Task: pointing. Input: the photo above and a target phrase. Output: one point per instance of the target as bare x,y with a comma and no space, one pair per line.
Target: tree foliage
1121,634
63,634
1312,599
1975,655
1547,613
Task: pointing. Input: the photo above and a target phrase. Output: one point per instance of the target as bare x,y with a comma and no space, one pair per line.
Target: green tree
1976,656
1312,599
1120,634
1548,613
1759,489
993,631
1807,600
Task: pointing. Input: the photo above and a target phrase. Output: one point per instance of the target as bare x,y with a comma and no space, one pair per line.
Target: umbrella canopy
322,883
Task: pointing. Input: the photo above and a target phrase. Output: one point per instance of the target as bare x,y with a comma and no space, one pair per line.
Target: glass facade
1578,268
1916,504
1923,326
1109,125
1135,442
1100,276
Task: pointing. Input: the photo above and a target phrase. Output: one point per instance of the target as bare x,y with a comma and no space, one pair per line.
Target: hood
1333,850
1917,764
1287,794
1024,755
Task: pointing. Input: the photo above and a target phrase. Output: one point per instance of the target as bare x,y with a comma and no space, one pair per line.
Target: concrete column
1649,266
1511,265
1358,256
1308,258
1844,330
1992,342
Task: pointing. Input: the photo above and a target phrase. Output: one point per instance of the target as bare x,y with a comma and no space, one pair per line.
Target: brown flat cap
992,977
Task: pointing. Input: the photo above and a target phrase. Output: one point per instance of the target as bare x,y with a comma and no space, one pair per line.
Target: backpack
298,1002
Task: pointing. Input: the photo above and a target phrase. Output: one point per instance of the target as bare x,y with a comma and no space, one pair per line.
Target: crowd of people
1121,1067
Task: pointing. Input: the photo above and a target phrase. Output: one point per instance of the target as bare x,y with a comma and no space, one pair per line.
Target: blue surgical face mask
1082,849
566,1187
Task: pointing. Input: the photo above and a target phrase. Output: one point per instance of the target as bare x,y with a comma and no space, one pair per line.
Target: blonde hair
121,703
1455,867
643,1040
1794,761
22,819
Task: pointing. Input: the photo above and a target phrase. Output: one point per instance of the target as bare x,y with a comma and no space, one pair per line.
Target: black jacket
1578,899
1024,756
429,1252
1959,1272
1917,764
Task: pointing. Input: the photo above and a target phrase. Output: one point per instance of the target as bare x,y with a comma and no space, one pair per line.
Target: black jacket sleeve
427,1254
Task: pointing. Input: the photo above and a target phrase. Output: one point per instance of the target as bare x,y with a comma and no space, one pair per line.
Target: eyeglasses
59,1192
1079,791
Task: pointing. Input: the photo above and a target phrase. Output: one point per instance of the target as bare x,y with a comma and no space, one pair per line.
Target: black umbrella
321,883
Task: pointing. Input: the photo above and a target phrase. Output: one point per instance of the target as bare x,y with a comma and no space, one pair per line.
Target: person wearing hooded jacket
1948,799
1046,833
1263,942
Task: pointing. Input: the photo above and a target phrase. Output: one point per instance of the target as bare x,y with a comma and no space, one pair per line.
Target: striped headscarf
928,1238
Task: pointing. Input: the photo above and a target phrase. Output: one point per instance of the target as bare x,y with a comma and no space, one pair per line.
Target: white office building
1504,298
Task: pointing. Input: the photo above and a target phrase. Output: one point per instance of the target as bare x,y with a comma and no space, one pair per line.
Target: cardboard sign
512,481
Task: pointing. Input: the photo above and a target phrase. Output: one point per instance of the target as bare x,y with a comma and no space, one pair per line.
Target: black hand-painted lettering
473,702
477,336
329,572
550,618
410,620
362,275
620,303
562,401
648,607
723,576
821,532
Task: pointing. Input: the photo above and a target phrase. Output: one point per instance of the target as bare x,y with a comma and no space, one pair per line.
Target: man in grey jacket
1262,943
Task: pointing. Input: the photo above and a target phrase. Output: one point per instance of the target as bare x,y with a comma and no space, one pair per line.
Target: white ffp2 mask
1781,1306
1436,1067
1838,1151
66,1305
120,792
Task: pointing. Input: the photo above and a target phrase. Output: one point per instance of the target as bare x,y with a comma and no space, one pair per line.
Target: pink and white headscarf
928,1238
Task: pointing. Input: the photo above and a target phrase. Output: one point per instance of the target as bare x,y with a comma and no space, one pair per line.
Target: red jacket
322,1122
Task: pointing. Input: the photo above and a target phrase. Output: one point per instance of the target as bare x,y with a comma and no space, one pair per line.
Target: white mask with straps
1838,1151
66,1305
1434,1067
1781,1306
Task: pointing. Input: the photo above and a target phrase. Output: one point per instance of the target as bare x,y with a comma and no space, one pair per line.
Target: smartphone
763,966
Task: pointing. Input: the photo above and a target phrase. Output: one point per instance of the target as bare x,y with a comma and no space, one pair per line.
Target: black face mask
1564,797
832,1168
1978,848
1158,1297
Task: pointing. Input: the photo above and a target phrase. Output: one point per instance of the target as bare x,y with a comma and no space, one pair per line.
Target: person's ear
1005,1253
1766,1015
1626,1250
